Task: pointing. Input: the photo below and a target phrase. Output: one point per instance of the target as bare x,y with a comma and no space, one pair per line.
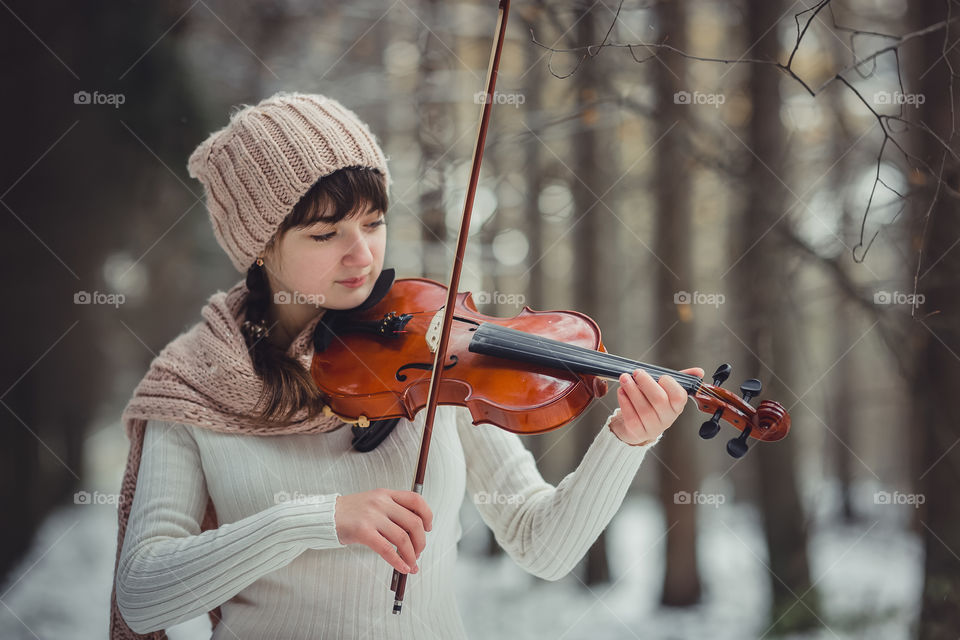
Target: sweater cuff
311,518
607,434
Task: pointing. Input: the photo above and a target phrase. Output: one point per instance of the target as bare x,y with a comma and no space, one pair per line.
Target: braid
286,386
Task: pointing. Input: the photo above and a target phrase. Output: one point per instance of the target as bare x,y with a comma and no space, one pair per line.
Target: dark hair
287,386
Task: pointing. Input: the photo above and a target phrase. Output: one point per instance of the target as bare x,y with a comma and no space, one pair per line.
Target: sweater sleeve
545,529
169,571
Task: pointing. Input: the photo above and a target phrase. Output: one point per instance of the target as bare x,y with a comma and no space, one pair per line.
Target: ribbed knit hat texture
255,169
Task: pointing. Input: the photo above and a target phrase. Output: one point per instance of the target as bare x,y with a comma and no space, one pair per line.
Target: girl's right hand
386,521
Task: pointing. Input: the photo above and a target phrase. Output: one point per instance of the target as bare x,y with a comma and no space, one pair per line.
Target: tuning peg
721,374
750,388
711,427
737,447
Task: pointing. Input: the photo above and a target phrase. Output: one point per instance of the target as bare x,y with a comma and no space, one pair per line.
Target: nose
359,254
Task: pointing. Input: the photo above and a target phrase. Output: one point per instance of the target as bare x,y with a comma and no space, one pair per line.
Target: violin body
387,376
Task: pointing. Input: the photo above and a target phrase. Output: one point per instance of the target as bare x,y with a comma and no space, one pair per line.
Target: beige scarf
204,377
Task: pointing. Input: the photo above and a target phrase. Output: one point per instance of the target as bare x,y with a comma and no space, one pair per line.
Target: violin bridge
433,332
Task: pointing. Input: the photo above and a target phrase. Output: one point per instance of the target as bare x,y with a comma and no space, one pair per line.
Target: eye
378,223
324,237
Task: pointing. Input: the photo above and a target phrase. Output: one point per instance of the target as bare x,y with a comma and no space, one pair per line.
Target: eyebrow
329,219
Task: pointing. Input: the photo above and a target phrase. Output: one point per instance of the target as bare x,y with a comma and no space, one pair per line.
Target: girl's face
308,267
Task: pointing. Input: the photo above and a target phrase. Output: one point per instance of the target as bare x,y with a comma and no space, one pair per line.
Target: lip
353,283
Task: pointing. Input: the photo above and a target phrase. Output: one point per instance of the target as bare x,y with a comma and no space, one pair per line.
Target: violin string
700,388
594,357
531,338
696,382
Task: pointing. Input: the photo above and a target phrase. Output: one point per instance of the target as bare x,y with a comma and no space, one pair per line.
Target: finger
694,371
386,550
646,414
675,393
399,538
627,411
412,524
656,396
416,503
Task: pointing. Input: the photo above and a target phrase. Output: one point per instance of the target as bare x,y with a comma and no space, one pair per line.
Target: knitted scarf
205,378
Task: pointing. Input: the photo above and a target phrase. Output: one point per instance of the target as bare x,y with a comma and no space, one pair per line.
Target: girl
243,500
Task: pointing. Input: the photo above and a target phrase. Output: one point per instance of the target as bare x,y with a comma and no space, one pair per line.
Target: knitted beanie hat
255,169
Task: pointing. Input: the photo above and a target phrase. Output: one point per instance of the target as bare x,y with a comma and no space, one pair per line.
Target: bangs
345,193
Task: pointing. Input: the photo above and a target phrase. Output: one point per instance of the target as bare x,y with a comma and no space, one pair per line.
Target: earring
259,261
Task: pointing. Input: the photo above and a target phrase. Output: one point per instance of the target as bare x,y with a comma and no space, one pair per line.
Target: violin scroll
768,422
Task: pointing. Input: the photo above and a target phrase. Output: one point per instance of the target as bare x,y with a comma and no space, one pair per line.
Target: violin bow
399,581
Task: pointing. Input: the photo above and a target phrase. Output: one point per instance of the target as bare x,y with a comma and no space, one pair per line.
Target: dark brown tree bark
589,158
759,276
678,470
937,373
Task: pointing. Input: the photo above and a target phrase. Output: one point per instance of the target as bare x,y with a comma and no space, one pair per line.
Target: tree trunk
679,470
760,274
937,373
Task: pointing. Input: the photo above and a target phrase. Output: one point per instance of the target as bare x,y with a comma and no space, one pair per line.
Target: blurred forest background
758,182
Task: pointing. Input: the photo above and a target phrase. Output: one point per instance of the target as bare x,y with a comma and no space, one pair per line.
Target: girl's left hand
647,406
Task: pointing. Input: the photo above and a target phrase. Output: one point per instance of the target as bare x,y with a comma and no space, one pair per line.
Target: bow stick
399,581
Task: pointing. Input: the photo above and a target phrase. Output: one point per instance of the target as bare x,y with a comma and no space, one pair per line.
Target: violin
532,373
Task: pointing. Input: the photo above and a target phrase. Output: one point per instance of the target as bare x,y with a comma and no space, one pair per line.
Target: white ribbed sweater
277,567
